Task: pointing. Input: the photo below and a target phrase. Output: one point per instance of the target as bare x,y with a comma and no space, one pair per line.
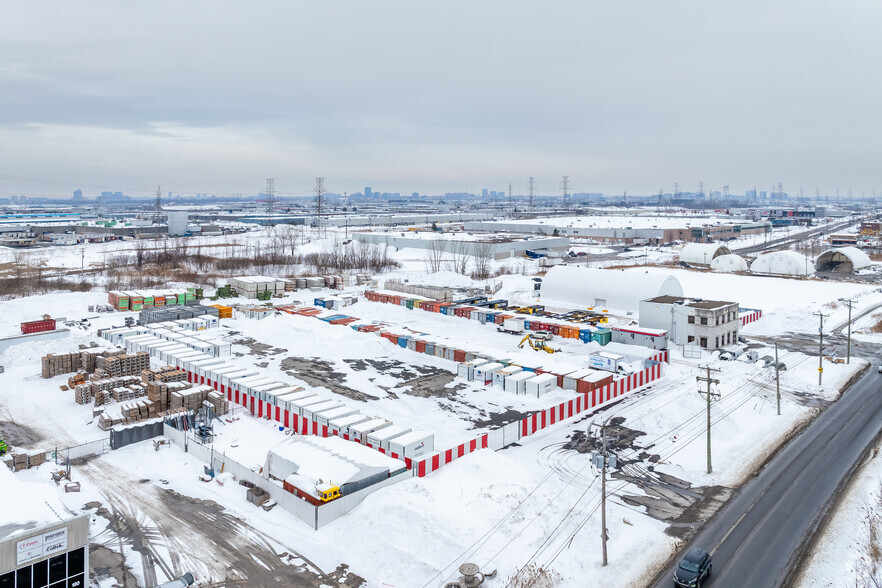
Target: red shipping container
38,326
458,355
421,346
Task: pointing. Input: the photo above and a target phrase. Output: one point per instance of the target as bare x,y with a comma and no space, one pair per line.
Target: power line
530,185
270,196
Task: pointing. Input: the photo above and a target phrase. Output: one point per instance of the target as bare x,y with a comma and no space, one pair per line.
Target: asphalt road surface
760,536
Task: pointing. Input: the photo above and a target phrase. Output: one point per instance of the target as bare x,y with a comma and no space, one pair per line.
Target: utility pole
820,315
602,461
530,186
777,379
850,303
710,395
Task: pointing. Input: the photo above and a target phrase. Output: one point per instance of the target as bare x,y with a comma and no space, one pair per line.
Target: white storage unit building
484,373
360,431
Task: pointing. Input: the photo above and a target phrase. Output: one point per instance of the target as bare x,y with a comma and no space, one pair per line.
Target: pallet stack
191,399
220,405
123,365
160,392
83,393
19,461
63,363
126,393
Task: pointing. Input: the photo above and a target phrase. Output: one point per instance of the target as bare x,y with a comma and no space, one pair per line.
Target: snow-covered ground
535,502
844,553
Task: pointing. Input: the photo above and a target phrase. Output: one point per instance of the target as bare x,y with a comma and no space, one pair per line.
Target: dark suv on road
694,568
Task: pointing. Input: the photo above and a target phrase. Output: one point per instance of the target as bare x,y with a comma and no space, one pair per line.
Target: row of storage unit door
495,317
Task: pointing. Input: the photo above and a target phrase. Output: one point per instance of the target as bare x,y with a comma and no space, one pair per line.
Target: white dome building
782,263
842,260
580,287
702,253
729,263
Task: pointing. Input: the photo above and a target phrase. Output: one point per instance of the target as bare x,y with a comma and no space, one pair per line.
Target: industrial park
483,295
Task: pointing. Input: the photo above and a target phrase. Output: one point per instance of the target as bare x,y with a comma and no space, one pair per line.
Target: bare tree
435,253
459,256
482,254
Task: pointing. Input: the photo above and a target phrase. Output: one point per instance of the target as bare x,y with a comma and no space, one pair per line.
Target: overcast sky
444,96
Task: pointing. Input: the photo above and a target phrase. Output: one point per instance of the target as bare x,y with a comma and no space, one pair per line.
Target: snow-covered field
536,502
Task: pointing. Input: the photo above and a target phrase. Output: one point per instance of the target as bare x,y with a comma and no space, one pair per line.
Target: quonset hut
580,287
842,260
782,263
729,263
702,253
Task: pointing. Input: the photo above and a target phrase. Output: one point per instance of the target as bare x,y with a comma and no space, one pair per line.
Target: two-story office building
711,324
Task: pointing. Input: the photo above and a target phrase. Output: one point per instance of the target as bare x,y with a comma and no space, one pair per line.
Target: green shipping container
182,298
191,290
136,307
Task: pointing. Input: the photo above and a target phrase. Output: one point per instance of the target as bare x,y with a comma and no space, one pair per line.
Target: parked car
694,568
880,368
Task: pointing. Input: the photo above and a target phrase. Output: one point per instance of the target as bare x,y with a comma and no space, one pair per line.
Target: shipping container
309,411
360,431
484,373
515,383
592,381
467,369
571,379
540,385
296,406
500,375
602,360
380,439
412,445
324,418
340,426
40,326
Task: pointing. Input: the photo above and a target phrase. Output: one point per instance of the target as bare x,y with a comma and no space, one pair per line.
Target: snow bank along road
760,536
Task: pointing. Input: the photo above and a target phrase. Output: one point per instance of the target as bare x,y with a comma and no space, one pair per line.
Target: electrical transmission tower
270,196
319,200
530,186
509,195
157,206
565,187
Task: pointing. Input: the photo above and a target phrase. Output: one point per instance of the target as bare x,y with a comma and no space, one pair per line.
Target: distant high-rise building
367,192
762,195
78,195
485,193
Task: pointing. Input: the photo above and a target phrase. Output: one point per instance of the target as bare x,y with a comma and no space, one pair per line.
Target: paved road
759,537
791,239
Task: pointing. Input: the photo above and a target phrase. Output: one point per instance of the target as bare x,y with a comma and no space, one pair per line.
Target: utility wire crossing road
760,536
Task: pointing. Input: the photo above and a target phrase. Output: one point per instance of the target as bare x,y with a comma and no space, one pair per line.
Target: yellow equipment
536,345
328,492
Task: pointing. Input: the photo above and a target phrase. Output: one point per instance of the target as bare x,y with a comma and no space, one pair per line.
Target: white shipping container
541,385
380,439
412,445
514,325
484,373
360,431
515,383
325,417
308,412
570,380
467,368
500,375
341,425
296,406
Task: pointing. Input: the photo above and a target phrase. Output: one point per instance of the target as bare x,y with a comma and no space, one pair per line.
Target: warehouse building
711,324
496,246
702,254
844,260
581,287
36,547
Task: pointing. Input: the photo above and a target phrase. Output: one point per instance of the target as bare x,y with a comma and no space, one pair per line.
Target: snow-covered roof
330,459
581,287
729,263
782,263
833,258
702,253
